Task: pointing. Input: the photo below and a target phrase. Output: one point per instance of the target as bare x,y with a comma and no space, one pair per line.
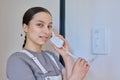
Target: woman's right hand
80,69
61,51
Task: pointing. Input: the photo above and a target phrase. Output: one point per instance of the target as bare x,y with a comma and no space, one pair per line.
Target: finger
81,59
60,36
82,62
86,65
53,45
78,62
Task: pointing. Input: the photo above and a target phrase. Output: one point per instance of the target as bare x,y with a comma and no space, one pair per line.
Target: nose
46,30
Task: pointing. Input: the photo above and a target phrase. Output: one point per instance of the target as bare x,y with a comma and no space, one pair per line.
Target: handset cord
68,52
75,58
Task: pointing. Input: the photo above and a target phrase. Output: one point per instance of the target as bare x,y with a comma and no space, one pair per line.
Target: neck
33,47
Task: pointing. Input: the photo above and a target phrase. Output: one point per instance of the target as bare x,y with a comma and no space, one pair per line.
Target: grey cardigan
21,67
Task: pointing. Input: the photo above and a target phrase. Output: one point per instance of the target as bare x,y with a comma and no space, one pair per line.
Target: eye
40,25
50,26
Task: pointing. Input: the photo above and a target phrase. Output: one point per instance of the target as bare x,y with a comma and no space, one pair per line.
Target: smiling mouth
44,38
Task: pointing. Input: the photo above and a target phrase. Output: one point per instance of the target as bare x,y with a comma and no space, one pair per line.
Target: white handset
57,41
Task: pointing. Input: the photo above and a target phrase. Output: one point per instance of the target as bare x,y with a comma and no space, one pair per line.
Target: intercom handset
57,41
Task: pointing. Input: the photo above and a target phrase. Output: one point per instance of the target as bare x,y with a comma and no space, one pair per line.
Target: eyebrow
43,21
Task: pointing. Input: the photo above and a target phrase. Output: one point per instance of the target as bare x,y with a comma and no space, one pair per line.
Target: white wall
11,12
81,17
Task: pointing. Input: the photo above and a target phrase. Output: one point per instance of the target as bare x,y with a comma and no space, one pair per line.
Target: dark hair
29,15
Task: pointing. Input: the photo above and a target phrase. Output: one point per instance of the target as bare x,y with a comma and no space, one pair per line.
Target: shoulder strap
35,60
52,58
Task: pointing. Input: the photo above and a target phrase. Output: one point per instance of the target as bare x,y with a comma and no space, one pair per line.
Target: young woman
32,63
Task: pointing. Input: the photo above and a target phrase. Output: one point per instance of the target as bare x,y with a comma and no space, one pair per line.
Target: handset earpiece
57,41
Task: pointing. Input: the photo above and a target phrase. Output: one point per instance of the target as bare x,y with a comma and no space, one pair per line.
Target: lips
44,38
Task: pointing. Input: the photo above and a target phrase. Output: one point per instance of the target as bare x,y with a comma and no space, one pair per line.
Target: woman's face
39,29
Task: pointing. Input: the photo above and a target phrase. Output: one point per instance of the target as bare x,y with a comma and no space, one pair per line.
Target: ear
25,28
